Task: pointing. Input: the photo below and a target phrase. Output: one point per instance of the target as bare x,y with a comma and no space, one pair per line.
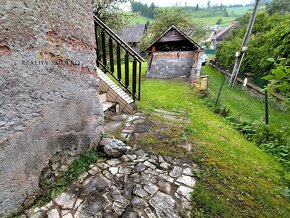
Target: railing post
134,77
119,69
266,108
111,51
104,48
139,81
126,70
98,46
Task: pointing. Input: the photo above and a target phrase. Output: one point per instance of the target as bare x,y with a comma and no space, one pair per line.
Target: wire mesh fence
244,103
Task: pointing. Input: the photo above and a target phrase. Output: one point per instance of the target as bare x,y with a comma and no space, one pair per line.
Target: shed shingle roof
134,33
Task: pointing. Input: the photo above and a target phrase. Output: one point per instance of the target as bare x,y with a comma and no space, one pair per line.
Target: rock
140,152
116,195
175,172
78,203
54,166
64,168
97,183
112,126
132,156
140,167
47,206
118,208
66,200
130,213
164,205
184,191
139,191
113,147
160,159
148,164
165,165
36,215
108,174
113,162
145,177
150,171
187,171
53,213
94,203
127,190
164,186
110,214
124,158
125,170
167,178
82,177
114,170
103,165
139,202
149,212
94,170
187,180
67,216
150,188
120,117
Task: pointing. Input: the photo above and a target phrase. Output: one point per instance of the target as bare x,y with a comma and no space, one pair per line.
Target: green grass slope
235,178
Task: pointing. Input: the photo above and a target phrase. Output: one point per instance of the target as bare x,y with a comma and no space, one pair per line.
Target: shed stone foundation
45,106
173,64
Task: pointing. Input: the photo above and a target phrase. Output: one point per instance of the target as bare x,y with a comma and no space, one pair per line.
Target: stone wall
171,64
49,97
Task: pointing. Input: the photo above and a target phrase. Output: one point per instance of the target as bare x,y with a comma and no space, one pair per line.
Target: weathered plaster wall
172,64
44,107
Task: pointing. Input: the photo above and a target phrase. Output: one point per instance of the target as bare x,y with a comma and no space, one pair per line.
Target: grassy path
235,178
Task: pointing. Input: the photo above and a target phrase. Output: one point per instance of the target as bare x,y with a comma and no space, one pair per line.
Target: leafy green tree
167,17
278,6
270,38
110,13
279,79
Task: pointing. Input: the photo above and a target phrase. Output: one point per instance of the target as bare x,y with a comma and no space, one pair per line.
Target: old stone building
49,97
173,54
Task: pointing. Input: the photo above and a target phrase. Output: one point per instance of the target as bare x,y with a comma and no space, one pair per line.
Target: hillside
203,16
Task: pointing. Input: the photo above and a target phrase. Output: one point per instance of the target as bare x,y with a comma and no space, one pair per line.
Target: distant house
173,54
133,35
219,35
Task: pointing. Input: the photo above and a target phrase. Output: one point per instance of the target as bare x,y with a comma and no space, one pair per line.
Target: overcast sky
194,2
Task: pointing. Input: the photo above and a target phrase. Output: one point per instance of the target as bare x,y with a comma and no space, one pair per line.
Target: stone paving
137,184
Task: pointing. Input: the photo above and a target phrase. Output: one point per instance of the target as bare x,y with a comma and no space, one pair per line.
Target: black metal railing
116,57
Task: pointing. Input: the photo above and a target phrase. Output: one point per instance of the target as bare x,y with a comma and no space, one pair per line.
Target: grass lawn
242,104
211,21
235,178
239,10
138,19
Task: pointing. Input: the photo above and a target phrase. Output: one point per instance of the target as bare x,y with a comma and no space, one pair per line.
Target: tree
166,17
279,79
270,38
110,13
278,6
197,7
208,5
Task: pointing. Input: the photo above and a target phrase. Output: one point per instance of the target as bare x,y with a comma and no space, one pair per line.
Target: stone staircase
113,98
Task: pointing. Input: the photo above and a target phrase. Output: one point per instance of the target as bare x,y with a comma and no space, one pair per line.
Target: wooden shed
173,54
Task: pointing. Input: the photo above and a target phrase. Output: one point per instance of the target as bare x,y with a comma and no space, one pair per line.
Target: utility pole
241,53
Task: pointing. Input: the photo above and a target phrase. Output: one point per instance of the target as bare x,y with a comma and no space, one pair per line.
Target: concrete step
103,97
108,105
